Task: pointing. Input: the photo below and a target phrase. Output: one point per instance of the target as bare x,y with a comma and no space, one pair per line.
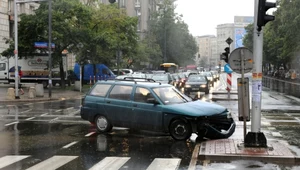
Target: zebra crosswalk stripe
10,159
164,163
110,163
53,163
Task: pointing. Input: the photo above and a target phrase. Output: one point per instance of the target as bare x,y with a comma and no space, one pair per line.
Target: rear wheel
180,129
207,90
102,124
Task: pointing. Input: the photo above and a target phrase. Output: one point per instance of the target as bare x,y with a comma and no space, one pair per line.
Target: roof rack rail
136,79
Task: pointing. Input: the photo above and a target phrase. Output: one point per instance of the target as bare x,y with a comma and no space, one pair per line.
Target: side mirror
152,100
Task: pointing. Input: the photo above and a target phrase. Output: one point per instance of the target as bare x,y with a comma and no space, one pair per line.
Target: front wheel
102,124
180,129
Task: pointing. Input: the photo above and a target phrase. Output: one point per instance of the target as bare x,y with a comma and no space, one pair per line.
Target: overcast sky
203,16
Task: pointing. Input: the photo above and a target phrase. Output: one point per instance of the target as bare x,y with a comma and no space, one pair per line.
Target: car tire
102,124
206,90
180,129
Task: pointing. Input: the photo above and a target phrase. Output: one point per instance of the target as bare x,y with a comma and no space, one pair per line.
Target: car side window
142,94
2,66
121,92
100,90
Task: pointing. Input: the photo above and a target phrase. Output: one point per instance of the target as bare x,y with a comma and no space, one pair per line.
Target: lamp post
16,44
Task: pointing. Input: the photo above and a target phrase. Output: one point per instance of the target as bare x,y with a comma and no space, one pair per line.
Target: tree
248,39
172,34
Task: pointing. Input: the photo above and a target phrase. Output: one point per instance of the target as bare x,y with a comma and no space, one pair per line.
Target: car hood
195,108
195,83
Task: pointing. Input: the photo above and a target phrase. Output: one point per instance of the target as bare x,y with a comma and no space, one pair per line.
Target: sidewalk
56,94
277,151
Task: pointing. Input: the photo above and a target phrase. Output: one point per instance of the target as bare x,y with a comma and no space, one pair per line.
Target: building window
122,3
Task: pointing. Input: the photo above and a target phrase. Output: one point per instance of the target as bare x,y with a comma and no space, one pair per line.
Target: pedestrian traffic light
262,17
226,54
112,1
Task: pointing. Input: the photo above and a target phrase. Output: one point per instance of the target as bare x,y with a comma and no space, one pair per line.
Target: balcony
137,5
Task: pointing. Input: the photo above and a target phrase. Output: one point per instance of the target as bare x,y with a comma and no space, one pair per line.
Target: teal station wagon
156,107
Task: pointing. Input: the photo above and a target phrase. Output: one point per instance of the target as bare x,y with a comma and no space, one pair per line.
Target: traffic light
262,17
112,1
226,54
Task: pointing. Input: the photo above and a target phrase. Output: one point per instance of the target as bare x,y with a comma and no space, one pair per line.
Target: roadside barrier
229,76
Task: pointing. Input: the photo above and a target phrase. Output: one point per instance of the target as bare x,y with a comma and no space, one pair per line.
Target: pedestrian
20,85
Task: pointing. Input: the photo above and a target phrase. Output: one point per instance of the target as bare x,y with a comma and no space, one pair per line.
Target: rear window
121,92
100,90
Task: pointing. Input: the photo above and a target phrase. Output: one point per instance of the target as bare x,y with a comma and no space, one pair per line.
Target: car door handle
107,101
5,73
134,105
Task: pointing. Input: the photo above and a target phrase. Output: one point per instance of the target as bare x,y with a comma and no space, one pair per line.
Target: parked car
156,107
196,83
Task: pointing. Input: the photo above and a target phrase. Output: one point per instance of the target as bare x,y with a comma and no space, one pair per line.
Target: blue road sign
227,69
43,45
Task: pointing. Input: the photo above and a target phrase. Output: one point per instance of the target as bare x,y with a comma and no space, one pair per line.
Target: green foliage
248,39
172,34
281,37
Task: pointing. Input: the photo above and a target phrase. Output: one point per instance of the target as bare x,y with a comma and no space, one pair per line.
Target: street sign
227,69
236,57
43,45
229,41
243,99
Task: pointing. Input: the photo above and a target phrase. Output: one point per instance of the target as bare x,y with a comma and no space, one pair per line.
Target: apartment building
207,49
235,31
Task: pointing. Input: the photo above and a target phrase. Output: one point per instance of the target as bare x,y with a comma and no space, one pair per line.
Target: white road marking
53,163
12,123
90,134
58,111
69,145
26,111
110,163
69,108
30,118
52,120
10,159
44,114
164,163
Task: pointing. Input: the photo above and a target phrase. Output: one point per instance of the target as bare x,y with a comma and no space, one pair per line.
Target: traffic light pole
255,138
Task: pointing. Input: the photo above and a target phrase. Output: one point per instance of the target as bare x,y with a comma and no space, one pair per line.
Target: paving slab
233,149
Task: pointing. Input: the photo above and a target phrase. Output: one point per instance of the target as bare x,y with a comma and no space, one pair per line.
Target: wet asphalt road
52,133
43,130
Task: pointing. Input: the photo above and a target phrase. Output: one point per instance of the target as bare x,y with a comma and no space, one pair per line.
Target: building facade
206,50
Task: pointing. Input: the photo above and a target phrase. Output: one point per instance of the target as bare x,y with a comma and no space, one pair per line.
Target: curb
223,99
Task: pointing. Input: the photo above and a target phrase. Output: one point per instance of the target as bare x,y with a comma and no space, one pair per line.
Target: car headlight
187,86
229,115
203,85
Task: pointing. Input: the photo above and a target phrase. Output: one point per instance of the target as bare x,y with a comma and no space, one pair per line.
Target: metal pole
243,92
255,137
80,77
49,47
16,51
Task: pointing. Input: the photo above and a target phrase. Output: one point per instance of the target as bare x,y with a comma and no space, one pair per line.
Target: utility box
243,99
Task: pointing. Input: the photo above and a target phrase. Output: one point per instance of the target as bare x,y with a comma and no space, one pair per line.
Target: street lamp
16,45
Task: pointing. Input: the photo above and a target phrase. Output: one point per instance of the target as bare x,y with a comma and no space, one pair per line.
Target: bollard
10,93
94,79
39,88
31,92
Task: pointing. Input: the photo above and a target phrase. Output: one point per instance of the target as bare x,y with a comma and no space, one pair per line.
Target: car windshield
196,79
170,95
